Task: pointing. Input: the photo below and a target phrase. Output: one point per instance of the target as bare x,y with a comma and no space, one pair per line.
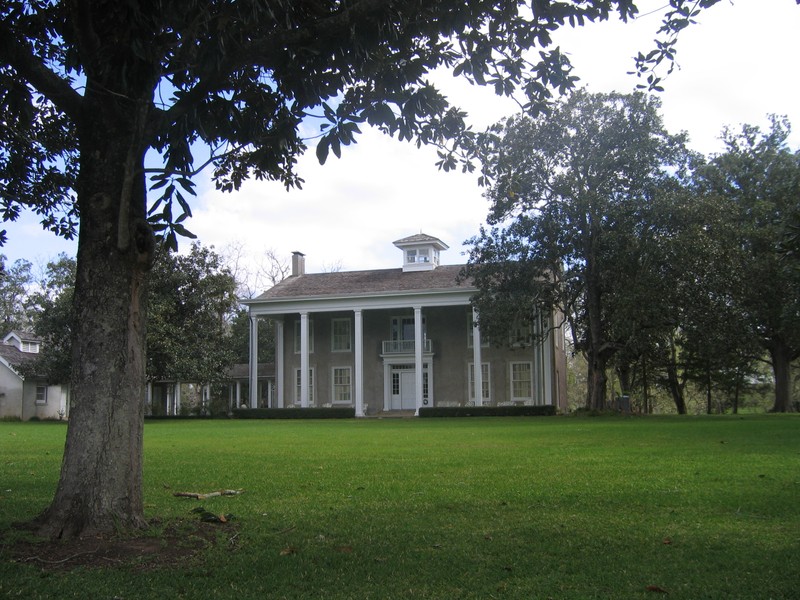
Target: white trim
511,381
305,376
476,358
253,366
309,393
334,321
43,400
279,363
358,326
372,301
349,370
297,336
418,365
472,385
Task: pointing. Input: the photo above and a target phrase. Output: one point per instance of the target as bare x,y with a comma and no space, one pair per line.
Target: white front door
408,396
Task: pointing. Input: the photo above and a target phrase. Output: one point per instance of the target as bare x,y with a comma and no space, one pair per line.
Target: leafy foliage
54,319
191,302
15,305
238,79
572,203
757,178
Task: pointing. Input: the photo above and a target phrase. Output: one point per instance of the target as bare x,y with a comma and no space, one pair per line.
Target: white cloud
736,65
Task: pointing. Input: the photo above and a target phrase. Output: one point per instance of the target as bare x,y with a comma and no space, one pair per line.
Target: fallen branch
197,496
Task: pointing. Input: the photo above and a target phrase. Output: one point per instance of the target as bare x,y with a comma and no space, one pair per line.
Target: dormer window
420,252
23,342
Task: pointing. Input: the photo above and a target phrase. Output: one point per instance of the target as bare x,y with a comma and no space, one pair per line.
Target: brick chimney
298,264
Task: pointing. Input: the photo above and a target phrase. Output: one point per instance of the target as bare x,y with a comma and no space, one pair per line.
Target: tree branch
24,62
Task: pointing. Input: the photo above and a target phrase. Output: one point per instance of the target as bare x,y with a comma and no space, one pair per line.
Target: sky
736,65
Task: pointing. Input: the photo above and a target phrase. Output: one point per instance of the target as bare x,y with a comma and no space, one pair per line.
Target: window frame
297,386
40,397
336,386
334,336
514,381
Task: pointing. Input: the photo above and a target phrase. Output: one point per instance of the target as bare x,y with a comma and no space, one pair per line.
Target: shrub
487,411
295,413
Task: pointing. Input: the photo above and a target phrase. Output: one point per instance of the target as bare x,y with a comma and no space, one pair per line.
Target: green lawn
558,507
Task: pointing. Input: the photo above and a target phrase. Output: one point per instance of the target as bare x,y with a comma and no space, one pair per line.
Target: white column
358,359
177,403
476,359
418,342
279,379
304,359
548,349
237,399
253,366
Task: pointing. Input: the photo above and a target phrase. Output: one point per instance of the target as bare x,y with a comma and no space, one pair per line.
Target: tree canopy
191,304
569,223
666,266
757,177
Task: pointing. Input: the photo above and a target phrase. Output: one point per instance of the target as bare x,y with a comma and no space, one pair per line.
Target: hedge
487,411
295,413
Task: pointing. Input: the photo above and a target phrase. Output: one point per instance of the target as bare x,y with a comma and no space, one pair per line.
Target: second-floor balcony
404,346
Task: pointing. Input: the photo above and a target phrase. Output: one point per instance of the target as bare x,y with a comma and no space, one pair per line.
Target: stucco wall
448,328
10,394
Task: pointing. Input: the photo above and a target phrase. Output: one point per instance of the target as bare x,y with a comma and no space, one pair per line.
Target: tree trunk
599,351
100,487
782,371
676,389
596,380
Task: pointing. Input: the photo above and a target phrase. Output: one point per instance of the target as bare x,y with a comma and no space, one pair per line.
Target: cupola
420,252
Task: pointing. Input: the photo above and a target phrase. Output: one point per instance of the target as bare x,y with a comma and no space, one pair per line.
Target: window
420,255
297,336
342,385
341,338
521,334
403,328
485,381
521,381
310,386
41,394
31,347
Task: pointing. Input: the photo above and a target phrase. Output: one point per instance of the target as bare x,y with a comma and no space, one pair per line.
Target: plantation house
27,396
397,340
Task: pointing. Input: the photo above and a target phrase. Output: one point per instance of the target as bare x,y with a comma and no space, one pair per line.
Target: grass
562,508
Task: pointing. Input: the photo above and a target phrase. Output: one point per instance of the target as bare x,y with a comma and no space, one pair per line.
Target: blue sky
735,66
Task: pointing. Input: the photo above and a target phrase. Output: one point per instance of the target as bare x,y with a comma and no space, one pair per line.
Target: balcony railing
404,346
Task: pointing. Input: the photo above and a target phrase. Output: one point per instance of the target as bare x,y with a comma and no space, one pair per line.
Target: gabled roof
24,336
15,357
355,283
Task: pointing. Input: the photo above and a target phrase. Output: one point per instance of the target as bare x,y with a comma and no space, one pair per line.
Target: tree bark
676,387
100,487
782,371
596,380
